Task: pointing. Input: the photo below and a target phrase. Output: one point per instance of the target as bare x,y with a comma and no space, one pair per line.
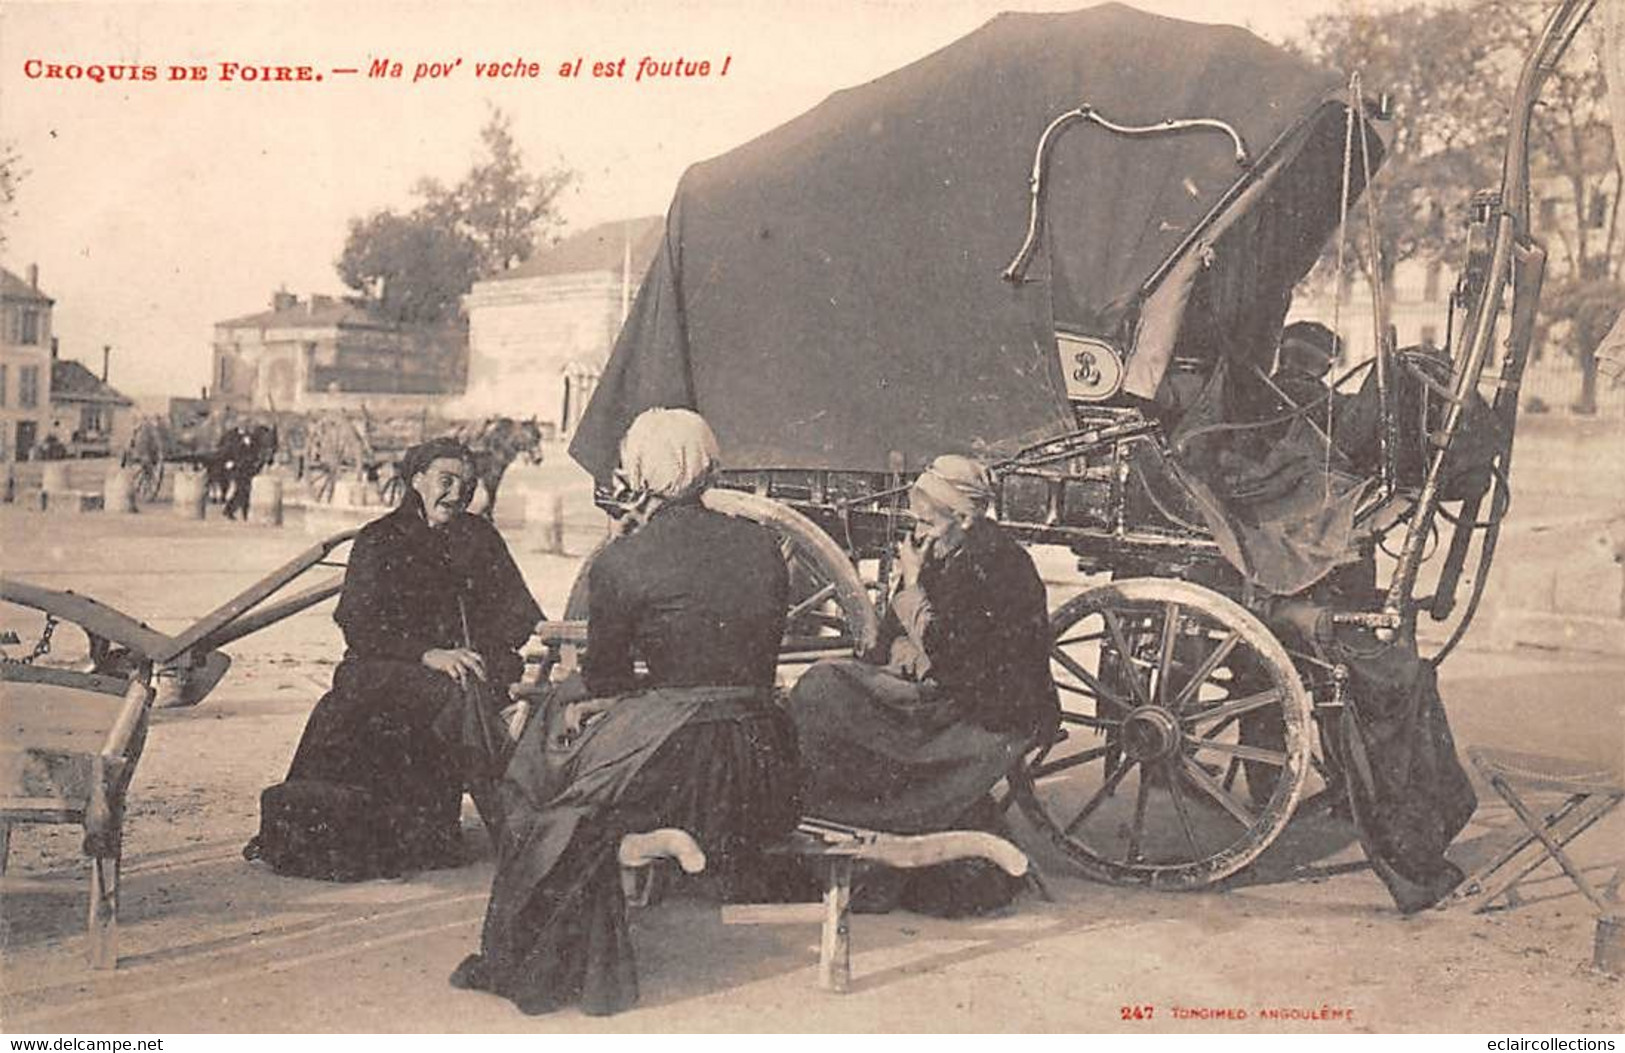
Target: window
1548,211
1597,214
3,371
22,325
28,386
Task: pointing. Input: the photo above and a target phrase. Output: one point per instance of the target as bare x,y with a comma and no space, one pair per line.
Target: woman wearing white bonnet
914,746
669,455
696,744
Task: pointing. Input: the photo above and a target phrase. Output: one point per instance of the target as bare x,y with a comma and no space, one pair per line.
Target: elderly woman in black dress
433,612
698,745
915,745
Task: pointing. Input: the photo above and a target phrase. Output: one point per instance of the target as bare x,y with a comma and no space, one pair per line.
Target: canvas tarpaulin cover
831,291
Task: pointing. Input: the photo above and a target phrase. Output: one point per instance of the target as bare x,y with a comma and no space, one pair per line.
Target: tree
1573,148
410,268
500,206
1430,61
1452,71
11,176
416,266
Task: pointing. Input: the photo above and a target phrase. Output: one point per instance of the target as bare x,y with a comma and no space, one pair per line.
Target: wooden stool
839,847
1593,791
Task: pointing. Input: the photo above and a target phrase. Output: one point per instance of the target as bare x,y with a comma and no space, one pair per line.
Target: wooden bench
67,755
838,848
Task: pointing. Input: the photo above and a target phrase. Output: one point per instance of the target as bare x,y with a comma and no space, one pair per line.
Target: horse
496,444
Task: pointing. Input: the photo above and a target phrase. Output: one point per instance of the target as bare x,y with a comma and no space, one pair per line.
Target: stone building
88,414
324,353
539,334
25,364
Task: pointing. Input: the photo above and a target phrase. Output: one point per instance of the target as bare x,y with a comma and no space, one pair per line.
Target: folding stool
1593,791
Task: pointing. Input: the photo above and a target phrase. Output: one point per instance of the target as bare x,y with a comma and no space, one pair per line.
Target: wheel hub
1151,733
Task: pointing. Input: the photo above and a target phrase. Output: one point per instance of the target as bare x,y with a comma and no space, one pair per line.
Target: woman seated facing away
698,745
914,746
433,611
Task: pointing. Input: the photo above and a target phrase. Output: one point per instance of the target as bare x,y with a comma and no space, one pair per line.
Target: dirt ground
212,943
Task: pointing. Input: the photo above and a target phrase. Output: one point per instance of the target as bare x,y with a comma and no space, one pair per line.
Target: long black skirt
556,930
891,754
390,735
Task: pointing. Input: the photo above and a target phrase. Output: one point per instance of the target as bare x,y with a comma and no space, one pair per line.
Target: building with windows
88,415
324,353
539,334
25,364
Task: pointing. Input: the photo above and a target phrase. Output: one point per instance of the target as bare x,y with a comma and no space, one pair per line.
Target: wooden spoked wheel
321,479
1185,736
392,487
829,613
149,480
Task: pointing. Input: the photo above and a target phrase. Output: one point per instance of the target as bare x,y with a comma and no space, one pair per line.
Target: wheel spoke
1252,753
1100,796
1204,782
1089,720
1073,666
1177,792
1165,650
1205,670
817,599
1233,708
1085,638
1093,753
1137,828
1115,626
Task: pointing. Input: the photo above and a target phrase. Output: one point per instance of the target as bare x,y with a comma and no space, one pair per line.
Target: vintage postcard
868,516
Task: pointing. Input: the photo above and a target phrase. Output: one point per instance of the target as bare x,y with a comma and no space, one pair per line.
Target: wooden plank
772,913
41,810
96,683
228,612
98,618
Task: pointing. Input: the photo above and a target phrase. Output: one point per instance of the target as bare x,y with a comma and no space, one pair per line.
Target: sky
155,208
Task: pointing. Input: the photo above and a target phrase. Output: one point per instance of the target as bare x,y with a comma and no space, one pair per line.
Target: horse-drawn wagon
366,450
1067,244
197,434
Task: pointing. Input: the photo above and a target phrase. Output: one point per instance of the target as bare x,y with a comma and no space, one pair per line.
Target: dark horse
497,443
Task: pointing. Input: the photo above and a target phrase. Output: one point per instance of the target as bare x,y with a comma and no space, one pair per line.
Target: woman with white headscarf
914,746
697,744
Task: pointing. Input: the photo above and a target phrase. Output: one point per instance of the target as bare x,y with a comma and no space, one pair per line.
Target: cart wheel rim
829,614
1171,694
